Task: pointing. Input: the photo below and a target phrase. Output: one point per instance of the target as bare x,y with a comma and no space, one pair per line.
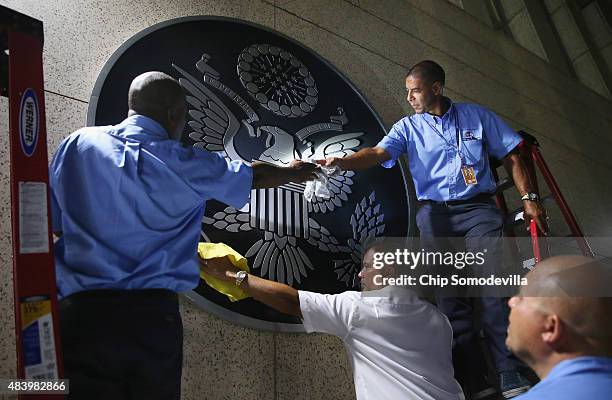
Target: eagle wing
212,123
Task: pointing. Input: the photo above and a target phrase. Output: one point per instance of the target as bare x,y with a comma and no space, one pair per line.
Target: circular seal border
192,296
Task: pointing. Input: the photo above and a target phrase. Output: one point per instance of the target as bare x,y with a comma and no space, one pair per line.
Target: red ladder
35,292
529,150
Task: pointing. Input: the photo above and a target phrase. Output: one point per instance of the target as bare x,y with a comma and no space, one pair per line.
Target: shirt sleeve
56,214
326,313
215,177
500,138
394,143
54,166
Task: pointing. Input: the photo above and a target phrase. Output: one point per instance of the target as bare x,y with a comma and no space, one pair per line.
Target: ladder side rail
537,157
539,243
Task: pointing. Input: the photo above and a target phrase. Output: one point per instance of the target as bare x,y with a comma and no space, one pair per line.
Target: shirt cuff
387,144
511,146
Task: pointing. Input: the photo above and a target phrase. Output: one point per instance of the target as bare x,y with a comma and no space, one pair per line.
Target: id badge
468,175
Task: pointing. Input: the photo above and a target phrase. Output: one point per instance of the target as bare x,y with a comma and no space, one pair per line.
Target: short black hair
429,71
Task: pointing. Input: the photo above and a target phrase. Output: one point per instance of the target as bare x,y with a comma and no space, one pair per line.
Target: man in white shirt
398,345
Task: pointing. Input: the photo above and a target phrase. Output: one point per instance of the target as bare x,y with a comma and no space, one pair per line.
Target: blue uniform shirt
582,378
130,201
435,157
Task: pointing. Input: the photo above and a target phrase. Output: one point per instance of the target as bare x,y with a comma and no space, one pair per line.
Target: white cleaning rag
319,187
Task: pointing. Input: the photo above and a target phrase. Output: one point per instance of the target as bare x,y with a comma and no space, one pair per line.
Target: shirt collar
567,367
143,125
432,118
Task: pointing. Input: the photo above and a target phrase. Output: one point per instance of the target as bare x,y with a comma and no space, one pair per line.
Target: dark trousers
476,225
122,344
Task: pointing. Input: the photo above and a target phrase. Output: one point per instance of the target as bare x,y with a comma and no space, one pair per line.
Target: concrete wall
576,45
601,32
372,42
521,26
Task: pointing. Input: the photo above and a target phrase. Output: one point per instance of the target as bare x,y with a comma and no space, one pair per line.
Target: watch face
254,94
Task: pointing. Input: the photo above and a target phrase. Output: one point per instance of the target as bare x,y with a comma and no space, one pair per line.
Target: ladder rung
512,215
511,220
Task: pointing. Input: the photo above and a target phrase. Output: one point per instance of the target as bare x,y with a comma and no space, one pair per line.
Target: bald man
561,326
127,205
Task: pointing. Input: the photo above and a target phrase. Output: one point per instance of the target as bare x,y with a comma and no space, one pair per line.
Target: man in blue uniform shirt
448,147
127,205
560,326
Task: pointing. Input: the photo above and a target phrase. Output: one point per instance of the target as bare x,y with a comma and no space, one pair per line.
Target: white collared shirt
398,345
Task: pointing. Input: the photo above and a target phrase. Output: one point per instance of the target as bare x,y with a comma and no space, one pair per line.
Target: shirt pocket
472,145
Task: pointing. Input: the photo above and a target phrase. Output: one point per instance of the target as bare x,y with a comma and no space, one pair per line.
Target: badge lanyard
458,136
467,171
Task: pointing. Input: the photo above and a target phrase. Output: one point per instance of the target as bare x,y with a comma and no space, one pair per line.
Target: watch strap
531,196
240,277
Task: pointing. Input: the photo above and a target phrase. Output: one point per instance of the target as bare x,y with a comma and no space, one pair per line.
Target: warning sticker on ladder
38,340
33,218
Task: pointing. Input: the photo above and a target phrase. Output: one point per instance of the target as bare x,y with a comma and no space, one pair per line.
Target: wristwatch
531,196
240,277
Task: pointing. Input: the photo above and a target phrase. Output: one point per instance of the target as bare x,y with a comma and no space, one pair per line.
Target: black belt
479,198
113,294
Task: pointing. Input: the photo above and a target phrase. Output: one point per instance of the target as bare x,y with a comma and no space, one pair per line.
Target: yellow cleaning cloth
207,251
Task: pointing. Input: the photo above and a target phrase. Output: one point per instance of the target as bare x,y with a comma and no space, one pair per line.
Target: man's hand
365,158
330,162
220,268
532,209
277,295
535,211
303,171
266,175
